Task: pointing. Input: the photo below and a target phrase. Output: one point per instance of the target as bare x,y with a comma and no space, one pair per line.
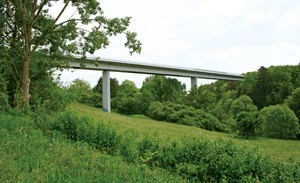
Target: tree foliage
126,100
280,122
271,85
293,102
114,87
163,89
242,104
249,124
28,29
201,98
182,114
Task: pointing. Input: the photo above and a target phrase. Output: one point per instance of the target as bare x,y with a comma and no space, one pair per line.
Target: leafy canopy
33,31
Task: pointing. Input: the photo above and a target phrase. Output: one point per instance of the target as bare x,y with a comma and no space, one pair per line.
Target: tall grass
28,155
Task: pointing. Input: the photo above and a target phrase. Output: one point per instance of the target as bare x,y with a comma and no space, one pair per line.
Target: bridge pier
106,91
194,82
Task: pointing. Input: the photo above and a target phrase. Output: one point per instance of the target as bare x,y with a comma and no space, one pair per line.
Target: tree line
265,103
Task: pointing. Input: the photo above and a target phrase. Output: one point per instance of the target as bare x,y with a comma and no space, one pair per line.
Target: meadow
27,154
84,144
278,149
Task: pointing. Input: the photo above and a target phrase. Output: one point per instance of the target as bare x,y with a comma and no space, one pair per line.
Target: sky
235,36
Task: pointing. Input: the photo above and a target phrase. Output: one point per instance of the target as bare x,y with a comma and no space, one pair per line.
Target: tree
242,104
248,83
222,110
261,88
114,87
272,86
126,100
203,97
279,121
281,85
248,124
28,28
163,89
293,102
81,90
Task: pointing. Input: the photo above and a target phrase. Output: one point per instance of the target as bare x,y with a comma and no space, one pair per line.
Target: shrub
128,147
184,115
156,111
101,137
148,149
126,105
200,160
106,139
249,124
280,122
198,118
66,123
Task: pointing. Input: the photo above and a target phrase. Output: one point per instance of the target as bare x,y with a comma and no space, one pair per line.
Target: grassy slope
28,155
286,150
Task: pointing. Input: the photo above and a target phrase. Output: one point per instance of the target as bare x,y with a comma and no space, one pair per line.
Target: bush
156,111
196,117
101,137
184,115
56,100
249,124
280,122
126,105
200,160
66,123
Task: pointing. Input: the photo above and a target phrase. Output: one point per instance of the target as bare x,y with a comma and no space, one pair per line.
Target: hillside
84,144
29,155
287,150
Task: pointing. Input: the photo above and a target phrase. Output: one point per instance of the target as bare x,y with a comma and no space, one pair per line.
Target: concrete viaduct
107,65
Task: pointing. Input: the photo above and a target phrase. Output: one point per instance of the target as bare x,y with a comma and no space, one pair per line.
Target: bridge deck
142,68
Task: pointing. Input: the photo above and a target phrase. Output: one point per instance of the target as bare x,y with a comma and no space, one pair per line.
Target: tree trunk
25,81
26,67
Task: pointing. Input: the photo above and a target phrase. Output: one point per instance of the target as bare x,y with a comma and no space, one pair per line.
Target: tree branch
61,12
40,8
50,28
57,25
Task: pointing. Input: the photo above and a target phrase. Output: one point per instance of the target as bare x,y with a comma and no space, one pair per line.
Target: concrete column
194,82
106,91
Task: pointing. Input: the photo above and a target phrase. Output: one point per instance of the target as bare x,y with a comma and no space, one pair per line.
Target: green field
281,150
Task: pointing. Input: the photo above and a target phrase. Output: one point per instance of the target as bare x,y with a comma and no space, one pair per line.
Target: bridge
107,65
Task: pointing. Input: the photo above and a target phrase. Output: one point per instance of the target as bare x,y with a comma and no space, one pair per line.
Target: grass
28,155
281,150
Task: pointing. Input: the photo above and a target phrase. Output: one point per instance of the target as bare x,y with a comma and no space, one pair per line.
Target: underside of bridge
107,65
